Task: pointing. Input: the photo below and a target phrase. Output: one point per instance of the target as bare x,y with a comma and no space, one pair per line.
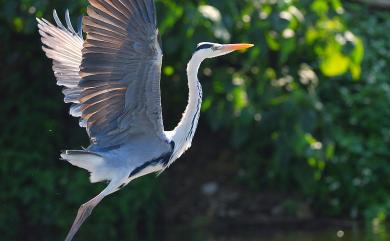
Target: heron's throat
184,132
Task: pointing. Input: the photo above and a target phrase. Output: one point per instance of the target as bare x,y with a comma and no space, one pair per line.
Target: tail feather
89,161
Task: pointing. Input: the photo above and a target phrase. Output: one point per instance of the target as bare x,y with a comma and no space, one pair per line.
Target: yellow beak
234,47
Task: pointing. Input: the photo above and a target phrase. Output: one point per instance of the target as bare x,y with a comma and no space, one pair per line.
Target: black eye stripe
204,46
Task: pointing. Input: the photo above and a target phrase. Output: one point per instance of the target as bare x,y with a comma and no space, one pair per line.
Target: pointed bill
234,47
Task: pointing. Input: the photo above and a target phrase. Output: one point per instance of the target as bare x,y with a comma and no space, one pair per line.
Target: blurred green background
293,132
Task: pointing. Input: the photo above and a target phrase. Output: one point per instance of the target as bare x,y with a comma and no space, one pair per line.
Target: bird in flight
112,79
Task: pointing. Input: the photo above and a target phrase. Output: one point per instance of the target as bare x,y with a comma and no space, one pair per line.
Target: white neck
184,132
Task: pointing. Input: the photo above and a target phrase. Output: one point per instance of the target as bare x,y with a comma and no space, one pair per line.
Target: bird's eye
216,47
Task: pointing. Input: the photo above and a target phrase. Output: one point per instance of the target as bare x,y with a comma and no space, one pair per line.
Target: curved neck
184,132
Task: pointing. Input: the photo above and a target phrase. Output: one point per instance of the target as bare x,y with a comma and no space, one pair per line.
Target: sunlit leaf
169,70
18,24
358,51
272,41
320,7
240,99
356,71
333,62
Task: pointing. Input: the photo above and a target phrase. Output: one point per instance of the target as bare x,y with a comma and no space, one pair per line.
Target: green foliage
276,106
298,109
360,127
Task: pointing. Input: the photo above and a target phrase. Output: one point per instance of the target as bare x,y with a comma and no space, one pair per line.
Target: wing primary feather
57,20
75,110
148,13
98,13
135,7
60,35
108,7
120,4
80,27
68,22
152,7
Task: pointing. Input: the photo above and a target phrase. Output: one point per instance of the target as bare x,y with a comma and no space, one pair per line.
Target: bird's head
211,50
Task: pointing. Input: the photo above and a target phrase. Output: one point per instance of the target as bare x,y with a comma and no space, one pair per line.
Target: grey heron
112,79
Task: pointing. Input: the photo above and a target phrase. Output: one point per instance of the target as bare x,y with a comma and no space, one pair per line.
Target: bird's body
112,79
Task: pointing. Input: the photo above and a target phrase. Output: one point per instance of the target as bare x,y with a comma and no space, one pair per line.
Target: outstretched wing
114,77
120,70
64,46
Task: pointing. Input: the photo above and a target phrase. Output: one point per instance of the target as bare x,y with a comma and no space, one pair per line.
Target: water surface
330,234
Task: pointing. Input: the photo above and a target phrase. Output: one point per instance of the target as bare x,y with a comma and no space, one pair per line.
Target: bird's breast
152,166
